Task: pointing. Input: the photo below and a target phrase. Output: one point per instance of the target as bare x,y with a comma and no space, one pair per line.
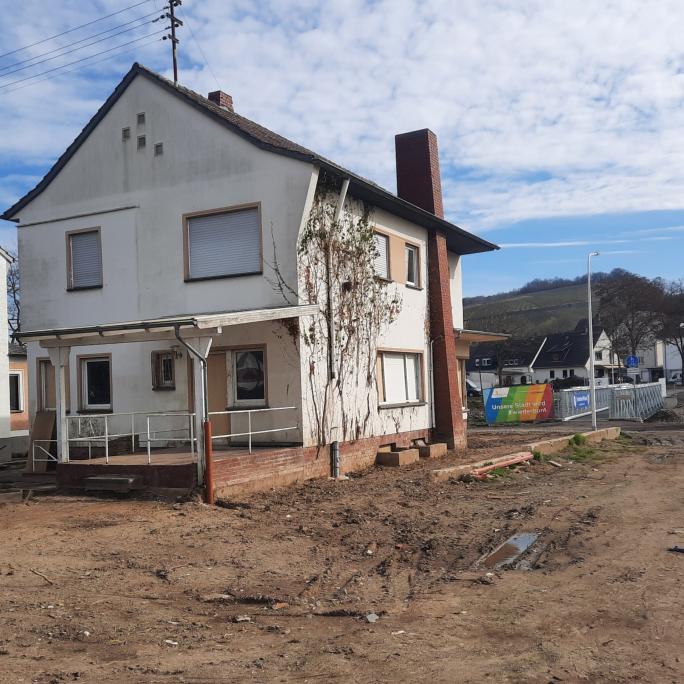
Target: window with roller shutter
382,269
223,244
84,259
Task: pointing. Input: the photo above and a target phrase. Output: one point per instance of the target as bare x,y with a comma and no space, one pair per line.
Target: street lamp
592,379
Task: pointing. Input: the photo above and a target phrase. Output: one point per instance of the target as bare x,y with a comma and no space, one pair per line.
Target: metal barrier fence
575,402
636,402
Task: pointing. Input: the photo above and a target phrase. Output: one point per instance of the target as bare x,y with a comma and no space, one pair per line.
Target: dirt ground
287,586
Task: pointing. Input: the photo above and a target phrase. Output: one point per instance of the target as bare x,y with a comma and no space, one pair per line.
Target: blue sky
560,125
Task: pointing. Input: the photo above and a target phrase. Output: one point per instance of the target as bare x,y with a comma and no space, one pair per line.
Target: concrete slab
456,471
394,459
436,450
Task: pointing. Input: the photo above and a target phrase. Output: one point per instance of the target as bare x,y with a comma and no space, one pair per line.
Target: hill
524,313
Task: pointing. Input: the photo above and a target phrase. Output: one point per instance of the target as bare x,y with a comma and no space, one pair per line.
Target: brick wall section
241,474
418,176
180,476
449,424
419,182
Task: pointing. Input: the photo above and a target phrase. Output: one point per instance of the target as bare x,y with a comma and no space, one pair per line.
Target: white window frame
233,370
85,405
415,250
382,236
20,389
419,378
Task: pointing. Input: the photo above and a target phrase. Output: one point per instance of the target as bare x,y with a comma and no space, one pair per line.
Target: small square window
141,119
125,133
158,149
141,142
163,370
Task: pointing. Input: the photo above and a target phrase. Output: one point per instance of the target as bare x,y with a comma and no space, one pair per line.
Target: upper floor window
382,269
223,243
84,259
412,266
598,356
486,362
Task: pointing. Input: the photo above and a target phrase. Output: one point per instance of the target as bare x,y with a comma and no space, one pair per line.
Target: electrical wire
83,59
76,28
63,47
84,66
199,47
76,49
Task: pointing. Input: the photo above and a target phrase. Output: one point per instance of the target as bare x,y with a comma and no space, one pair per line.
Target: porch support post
59,357
202,345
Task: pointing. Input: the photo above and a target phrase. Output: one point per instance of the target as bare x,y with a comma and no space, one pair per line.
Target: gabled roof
567,349
458,240
517,353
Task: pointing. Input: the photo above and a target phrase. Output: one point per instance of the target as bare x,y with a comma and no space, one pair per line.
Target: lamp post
592,379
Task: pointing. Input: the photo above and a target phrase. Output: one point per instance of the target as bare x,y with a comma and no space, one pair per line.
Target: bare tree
629,307
13,295
672,316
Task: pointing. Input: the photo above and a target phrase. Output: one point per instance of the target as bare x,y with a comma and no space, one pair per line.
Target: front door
218,393
46,386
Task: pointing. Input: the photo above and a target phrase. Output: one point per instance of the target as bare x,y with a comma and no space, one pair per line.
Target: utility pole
592,379
175,23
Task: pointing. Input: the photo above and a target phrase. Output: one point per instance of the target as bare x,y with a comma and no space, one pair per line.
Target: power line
89,64
199,47
76,49
76,28
83,59
62,47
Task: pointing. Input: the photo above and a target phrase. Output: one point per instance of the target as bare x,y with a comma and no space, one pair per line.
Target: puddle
508,551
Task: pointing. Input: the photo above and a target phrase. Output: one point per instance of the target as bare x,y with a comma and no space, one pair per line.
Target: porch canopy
198,325
195,332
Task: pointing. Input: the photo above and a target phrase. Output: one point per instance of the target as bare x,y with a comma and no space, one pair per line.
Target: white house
176,240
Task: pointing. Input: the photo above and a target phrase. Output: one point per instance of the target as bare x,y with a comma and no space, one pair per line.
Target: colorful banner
519,404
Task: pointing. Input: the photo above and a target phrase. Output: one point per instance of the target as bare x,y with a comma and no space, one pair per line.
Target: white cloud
541,108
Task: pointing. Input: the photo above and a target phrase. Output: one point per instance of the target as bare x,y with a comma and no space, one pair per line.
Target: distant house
18,398
558,356
5,430
566,355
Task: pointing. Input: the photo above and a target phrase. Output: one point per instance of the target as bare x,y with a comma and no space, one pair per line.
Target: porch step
112,483
398,458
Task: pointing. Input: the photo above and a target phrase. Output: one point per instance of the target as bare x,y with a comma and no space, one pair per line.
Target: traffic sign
632,362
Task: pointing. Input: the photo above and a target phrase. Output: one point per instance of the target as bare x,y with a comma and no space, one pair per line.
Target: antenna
175,23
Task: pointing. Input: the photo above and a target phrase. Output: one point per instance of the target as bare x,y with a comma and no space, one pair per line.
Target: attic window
141,142
158,149
125,133
141,119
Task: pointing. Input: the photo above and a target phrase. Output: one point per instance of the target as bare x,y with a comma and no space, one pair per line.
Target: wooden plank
44,428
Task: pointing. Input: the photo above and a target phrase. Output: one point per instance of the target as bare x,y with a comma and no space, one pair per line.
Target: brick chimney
223,100
418,177
419,182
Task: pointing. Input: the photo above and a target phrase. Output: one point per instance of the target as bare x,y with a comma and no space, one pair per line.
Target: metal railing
37,444
105,436
250,432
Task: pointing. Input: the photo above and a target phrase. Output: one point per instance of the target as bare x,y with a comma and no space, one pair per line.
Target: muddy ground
285,586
